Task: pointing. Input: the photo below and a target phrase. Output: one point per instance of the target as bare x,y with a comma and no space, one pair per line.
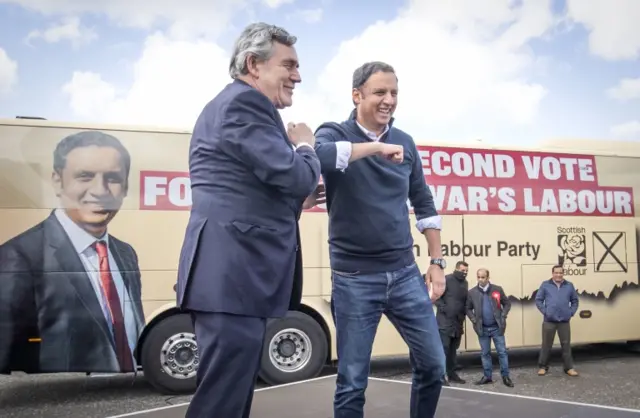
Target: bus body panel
492,200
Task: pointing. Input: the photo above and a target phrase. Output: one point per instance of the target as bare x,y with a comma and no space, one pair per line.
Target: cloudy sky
507,71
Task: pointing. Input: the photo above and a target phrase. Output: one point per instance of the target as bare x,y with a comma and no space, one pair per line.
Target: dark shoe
507,381
484,381
453,377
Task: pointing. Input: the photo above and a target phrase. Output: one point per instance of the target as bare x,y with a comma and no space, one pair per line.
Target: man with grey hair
250,178
370,170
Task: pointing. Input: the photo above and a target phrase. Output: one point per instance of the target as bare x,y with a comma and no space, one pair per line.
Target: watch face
440,262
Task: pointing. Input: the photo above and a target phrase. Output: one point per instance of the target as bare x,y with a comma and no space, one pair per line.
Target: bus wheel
295,348
170,356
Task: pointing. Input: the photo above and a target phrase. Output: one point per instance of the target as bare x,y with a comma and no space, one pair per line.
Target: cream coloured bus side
515,212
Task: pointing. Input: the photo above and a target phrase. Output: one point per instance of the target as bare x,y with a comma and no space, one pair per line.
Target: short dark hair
366,70
462,263
557,266
87,139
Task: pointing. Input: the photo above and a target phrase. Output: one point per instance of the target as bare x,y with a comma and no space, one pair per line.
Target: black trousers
549,330
229,347
451,344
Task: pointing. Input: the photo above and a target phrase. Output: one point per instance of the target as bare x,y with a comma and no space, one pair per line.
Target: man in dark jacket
557,300
450,316
487,308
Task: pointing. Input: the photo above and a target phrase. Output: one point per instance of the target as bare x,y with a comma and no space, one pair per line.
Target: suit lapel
128,270
61,257
280,123
122,264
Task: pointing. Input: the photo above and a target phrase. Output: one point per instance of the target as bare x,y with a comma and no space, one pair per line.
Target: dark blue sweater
369,228
488,318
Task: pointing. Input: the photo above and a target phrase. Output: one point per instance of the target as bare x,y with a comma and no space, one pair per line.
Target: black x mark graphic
608,251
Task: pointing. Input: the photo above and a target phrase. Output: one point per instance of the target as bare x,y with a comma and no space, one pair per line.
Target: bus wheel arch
296,347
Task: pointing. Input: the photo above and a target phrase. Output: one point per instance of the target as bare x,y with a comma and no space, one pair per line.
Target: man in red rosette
487,308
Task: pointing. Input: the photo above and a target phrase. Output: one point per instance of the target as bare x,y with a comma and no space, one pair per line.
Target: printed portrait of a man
70,298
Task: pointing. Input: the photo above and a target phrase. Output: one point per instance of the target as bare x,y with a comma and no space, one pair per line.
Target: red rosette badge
496,296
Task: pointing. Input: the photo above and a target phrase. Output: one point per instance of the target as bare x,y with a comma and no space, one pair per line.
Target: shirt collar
80,238
372,134
367,132
485,288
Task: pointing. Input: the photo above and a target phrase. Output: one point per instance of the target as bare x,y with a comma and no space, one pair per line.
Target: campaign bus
92,219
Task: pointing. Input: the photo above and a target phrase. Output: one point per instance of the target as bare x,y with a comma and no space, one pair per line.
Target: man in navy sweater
370,170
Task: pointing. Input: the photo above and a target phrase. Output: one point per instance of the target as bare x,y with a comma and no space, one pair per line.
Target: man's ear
56,181
252,66
356,96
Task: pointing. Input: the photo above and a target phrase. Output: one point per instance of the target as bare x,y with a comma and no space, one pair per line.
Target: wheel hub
290,350
179,356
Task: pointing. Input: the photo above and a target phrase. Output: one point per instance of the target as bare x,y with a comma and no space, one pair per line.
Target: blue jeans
489,334
359,300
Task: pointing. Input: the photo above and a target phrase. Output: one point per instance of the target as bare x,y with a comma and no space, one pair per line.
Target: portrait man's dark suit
71,292
242,245
46,295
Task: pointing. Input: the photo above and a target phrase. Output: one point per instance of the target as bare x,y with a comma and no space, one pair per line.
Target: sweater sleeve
420,196
334,155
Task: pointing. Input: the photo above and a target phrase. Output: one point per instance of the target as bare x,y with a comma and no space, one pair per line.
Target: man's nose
98,186
295,76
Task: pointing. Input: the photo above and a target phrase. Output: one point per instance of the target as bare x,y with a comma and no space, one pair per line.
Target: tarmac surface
608,376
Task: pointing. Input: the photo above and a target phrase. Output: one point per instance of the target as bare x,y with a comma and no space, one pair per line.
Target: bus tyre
295,348
170,356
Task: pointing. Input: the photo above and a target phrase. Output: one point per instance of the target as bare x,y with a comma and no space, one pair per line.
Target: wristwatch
439,262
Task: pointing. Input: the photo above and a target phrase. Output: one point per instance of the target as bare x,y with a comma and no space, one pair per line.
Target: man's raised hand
392,152
300,132
318,197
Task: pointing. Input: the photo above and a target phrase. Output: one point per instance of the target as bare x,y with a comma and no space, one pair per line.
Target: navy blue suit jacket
241,251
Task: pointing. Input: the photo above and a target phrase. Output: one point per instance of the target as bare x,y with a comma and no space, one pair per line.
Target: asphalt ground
609,375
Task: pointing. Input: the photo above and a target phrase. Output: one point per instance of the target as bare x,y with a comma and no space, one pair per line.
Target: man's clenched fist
391,152
300,132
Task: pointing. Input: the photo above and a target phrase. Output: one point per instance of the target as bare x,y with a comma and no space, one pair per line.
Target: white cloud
185,19
613,26
8,72
69,29
307,15
274,4
627,130
450,80
627,89
173,80
464,69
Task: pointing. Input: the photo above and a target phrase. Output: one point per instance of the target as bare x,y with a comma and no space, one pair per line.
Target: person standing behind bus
557,300
240,262
370,170
451,313
487,308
